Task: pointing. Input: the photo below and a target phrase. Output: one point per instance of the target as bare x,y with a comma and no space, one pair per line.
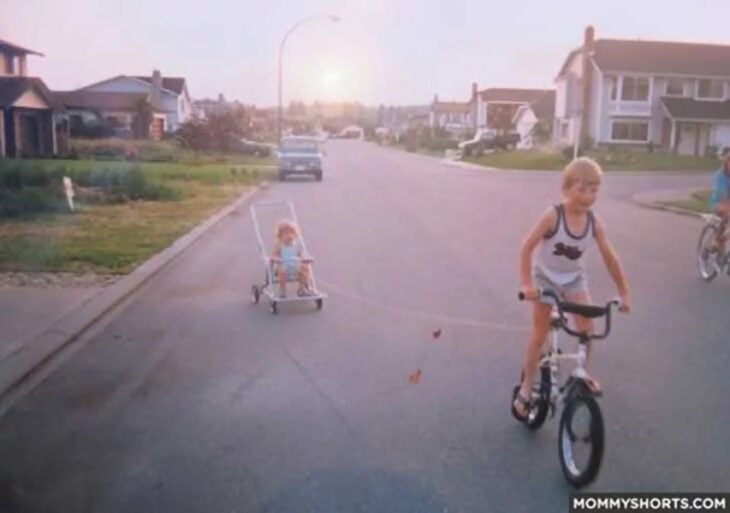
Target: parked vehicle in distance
299,155
257,149
488,139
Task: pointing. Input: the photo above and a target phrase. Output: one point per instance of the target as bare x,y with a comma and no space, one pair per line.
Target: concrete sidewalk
40,319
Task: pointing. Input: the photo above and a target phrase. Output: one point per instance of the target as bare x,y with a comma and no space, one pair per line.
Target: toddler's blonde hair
286,224
582,170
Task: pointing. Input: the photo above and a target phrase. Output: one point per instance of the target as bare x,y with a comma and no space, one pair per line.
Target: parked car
257,149
299,155
488,139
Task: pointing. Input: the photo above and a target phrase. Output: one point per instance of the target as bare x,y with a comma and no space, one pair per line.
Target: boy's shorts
579,284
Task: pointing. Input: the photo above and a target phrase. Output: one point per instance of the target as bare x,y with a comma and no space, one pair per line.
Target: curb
644,200
40,348
666,208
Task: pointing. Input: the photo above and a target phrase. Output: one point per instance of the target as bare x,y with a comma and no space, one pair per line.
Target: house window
710,88
613,87
675,86
630,131
635,89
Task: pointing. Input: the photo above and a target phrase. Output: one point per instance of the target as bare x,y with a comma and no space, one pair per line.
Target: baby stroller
268,289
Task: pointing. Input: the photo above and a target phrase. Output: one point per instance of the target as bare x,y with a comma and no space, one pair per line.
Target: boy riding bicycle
564,233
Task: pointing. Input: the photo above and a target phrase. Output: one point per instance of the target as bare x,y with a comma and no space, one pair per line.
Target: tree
142,119
194,135
499,116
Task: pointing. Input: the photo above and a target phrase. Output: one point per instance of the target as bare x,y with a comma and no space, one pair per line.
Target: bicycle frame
558,321
552,360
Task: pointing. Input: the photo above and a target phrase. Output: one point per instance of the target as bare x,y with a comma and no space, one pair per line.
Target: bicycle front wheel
705,255
581,440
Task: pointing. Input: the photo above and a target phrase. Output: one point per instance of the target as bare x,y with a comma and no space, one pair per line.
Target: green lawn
116,238
699,201
614,161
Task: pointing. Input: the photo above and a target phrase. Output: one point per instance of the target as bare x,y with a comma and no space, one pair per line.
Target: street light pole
281,55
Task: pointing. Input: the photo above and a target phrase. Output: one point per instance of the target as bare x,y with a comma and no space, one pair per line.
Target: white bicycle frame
552,360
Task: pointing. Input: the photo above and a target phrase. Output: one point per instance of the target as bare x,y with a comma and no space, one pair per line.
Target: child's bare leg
281,275
540,329
304,277
584,325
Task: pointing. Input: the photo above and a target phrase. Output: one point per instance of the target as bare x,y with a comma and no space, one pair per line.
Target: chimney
474,90
156,96
435,98
587,55
22,66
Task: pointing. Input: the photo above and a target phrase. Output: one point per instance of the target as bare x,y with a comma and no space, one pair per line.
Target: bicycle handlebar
591,310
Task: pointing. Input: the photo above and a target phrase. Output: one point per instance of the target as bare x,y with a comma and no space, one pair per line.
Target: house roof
504,94
12,88
102,100
9,47
658,57
689,108
174,84
451,107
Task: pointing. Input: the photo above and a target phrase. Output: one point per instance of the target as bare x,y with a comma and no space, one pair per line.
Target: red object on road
437,334
415,377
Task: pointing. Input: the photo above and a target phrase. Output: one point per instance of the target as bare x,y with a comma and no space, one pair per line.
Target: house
667,95
207,108
32,122
496,107
453,117
120,112
167,95
536,114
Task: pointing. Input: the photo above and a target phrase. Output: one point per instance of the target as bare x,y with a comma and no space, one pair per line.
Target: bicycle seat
589,311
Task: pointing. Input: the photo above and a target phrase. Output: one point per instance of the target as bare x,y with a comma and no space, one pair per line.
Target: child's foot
305,292
594,386
520,406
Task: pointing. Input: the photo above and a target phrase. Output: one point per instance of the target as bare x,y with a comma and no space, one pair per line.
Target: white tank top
560,257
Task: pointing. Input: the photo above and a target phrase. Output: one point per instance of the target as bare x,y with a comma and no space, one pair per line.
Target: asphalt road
192,399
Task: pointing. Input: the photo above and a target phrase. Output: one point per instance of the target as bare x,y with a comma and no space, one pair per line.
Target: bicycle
574,395
710,262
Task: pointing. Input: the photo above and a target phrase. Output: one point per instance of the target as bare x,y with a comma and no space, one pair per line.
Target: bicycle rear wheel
581,440
705,264
540,399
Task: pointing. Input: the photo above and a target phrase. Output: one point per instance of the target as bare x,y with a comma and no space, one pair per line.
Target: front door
30,137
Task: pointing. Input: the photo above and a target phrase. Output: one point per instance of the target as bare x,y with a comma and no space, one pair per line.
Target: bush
29,201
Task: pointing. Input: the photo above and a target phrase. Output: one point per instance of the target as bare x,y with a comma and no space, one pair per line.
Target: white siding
722,135
525,122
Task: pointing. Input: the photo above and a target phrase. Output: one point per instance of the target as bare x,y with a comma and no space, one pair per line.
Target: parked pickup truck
488,139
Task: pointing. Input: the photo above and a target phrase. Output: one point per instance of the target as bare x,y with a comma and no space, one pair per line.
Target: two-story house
117,99
453,117
32,122
669,95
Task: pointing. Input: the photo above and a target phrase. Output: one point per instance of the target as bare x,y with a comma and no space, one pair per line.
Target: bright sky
382,51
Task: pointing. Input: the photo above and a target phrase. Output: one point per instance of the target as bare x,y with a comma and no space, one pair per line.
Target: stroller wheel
274,307
318,302
255,294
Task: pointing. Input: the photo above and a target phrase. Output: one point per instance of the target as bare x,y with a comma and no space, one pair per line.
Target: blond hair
582,170
286,224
